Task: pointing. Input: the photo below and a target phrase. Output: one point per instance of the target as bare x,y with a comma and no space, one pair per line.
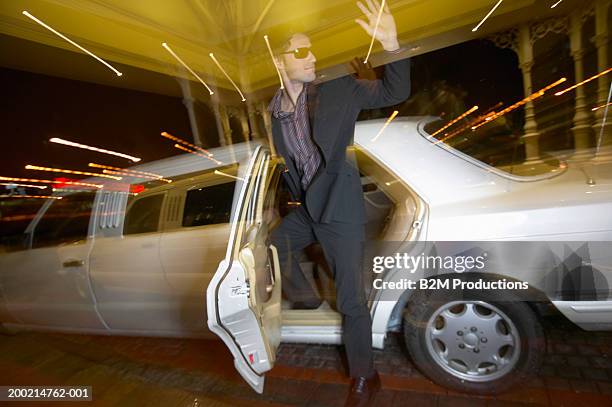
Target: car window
15,216
65,221
390,206
209,205
143,215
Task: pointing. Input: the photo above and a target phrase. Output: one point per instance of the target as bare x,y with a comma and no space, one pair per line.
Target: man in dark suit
312,126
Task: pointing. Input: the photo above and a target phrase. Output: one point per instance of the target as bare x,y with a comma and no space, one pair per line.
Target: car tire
453,335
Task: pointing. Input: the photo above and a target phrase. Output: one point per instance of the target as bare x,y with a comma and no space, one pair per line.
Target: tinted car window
209,205
66,221
143,215
15,216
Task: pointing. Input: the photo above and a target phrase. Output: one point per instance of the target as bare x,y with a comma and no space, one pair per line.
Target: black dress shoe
363,391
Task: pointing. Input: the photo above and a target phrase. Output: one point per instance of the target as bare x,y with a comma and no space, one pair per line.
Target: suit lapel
314,106
281,149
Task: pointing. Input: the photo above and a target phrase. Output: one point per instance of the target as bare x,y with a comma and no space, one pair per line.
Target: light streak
70,190
484,115
108,167
228,175
280,78
31,196
603,121
180,147
181,141
91,54
93,174
111,172
130,174
487,16
529,98
167,47
23,185
212,56
556,4
599,107
583,82
99,150
473,109
48,181
395,112
365,61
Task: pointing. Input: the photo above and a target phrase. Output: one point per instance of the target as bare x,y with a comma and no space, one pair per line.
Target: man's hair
283,42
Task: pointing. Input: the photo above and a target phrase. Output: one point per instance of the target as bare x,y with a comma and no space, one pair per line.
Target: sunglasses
299,53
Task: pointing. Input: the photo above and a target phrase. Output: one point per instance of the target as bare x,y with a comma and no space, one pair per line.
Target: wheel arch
535,298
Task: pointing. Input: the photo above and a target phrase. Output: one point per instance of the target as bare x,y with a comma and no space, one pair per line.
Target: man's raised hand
386,32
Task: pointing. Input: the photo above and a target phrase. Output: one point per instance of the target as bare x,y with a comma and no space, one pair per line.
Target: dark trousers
342,244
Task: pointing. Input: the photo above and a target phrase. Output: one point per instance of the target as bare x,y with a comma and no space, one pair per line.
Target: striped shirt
296,134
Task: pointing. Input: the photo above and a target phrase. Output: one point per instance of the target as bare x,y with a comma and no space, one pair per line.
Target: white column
601,40
252,113
244,123
214,101
188,101
225,124
530,130
583,119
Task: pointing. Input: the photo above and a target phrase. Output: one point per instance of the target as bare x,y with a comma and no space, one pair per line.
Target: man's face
298,70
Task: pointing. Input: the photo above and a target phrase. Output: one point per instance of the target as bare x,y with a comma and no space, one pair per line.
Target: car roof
441,174
183,164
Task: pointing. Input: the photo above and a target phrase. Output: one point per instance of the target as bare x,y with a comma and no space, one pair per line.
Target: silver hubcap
473,340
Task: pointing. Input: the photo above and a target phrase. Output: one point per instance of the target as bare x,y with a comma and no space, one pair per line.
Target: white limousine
191,256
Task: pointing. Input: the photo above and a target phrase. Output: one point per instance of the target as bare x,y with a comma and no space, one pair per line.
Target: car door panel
243,298
128,280
48,285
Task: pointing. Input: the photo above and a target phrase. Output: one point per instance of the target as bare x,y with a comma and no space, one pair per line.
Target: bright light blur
167,47
99,150
61,170
108,167
395,113
487,16
212,56
556,4
31,196
600,107
473,109
528,99
583,82
180,147
109,66
23,185
133,175
280,77
181,141
228,175
382,5
48,181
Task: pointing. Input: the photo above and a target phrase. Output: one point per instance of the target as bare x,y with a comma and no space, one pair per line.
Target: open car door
244,297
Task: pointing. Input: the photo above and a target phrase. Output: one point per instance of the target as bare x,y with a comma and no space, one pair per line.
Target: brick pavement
133,371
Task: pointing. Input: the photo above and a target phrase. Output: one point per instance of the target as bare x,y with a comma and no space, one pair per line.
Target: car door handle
73,263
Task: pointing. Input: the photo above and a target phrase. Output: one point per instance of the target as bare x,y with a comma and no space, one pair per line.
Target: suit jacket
335,193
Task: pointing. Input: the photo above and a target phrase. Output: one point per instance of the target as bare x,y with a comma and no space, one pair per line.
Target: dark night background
36,107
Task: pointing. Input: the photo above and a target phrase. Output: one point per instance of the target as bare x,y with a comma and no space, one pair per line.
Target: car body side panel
189,259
